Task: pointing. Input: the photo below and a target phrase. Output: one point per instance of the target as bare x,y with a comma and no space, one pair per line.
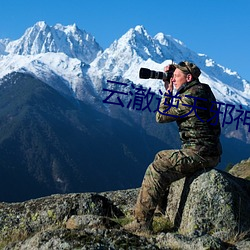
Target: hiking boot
140,227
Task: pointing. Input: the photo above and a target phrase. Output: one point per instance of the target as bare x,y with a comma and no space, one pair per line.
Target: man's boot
137,226
142,220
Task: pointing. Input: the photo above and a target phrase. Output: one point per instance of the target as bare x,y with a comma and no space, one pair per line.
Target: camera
145,73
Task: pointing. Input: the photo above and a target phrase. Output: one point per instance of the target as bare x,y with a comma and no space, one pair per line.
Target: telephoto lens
145,73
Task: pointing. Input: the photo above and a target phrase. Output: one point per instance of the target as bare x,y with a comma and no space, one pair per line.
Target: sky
217,28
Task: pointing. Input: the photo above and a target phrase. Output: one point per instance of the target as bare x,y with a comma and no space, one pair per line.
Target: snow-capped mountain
73,55
137,49
57,55
70,40
64,73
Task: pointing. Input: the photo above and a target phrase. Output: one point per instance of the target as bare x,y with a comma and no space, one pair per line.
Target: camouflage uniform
201,147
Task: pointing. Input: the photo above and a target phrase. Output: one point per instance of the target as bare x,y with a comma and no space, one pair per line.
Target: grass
160,223
123,220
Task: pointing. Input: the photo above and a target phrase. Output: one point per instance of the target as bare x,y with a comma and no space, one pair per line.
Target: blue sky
218,28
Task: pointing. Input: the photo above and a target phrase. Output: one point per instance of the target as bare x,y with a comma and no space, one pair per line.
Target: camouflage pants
167,167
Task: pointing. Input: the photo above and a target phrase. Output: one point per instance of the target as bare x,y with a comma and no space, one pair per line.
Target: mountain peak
41,24
69,28
138,42
140,29
42,38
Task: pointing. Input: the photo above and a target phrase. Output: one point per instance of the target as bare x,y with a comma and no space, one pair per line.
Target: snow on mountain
3,43
42,38
63,73
137,49
57,55
71,55
124,56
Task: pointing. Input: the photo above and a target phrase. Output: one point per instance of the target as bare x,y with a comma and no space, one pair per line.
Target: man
194,109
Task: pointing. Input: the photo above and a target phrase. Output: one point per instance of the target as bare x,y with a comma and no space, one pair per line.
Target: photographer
199,133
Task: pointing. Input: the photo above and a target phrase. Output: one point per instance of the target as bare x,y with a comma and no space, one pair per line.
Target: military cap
189,68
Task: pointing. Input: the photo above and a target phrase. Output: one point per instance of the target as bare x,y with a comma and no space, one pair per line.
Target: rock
85,239
212,202
209,210
243,245
241,169
90,221
20,220
123,199
178,241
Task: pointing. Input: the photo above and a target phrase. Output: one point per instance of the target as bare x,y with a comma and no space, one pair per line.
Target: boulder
210,202
19,221
241,169
209,210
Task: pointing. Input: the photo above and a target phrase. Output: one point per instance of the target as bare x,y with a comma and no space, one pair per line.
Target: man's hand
168,85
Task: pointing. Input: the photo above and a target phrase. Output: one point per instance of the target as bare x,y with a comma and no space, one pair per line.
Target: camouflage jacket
194,109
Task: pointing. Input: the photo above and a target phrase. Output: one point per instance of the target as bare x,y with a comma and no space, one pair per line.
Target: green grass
160,223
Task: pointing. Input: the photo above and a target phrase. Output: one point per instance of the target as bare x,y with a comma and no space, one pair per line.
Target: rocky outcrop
209,210
241,169
211,202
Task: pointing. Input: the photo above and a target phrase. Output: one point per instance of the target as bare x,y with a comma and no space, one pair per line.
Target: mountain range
57,134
